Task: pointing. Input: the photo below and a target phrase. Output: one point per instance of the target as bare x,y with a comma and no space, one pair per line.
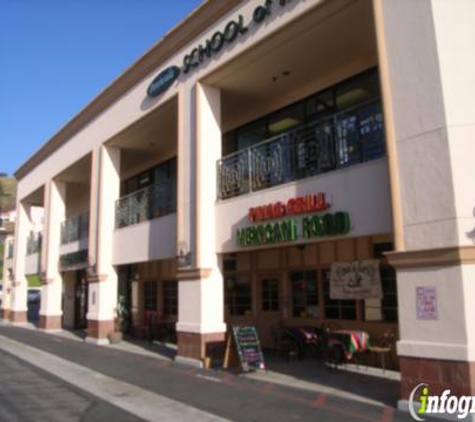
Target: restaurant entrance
269,312
290,289
80,301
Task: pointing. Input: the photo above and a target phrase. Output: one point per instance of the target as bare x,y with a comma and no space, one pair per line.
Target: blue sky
56,55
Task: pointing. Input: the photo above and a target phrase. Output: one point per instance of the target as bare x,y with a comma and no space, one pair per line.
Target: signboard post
248,348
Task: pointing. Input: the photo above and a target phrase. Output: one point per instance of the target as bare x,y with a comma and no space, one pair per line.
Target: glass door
269,317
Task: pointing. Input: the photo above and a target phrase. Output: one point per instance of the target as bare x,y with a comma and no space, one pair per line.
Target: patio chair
331,353
148,330
384,347
283,345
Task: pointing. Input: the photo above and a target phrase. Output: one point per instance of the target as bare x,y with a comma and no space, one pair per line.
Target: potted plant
120,321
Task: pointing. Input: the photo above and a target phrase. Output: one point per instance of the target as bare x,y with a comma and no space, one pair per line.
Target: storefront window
170,298
338,127
385,309
270,294
238,294
336,309
304,294
150,296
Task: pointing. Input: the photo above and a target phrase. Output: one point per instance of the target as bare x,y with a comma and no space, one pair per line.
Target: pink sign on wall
426,302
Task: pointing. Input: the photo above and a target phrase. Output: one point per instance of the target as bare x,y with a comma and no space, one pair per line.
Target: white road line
206,377
138,401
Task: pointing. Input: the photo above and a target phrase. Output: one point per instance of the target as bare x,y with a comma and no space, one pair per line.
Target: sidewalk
127,371
360,383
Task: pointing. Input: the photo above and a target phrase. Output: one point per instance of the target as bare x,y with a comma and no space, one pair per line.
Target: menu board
248,348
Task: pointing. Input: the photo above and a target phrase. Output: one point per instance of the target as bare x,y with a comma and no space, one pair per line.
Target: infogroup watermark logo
421,403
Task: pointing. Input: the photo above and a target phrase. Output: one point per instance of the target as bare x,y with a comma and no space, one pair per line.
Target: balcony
34,243
341,140
146,204
75,228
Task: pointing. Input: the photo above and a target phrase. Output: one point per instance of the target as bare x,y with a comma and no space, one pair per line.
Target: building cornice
440,257
193,273
177,38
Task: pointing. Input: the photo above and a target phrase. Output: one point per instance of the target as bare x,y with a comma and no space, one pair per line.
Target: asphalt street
216,393
29,394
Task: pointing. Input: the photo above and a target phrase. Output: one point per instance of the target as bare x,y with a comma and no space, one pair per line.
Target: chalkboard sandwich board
248,348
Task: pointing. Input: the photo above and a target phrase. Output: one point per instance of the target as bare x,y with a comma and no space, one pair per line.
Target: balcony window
75,228
251,134
34,243
156,199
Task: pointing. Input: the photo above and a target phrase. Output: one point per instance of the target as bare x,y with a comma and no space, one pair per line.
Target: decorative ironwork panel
344,139
360,135
269,162
148,203
233,174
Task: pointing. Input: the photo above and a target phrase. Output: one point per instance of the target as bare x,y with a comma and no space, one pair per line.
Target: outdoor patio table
163,329
304,337
352,341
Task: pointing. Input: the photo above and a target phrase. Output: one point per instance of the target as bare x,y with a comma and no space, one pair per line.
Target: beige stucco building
184,186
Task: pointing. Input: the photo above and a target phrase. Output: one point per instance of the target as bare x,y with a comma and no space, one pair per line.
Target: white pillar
102,277
51,295
18,299
431,123
201,304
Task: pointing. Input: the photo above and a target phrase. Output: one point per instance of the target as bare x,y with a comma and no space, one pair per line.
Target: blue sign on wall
163,81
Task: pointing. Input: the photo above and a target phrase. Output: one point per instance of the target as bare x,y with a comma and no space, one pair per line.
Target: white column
51,295
103,280
201,304
427,75
20,284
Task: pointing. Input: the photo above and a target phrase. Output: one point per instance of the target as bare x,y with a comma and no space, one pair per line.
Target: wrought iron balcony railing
75,228
33,244
341,140
146,204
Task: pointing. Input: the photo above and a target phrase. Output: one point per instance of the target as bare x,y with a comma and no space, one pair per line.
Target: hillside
7,192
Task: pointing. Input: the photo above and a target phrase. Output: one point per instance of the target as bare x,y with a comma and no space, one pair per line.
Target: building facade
252,153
